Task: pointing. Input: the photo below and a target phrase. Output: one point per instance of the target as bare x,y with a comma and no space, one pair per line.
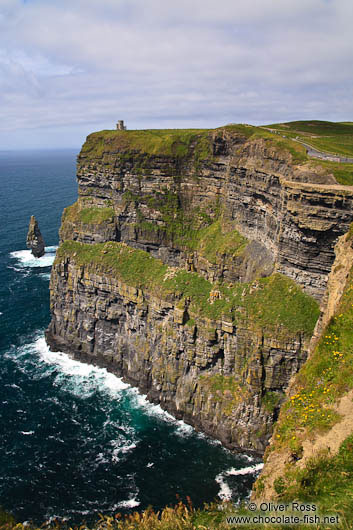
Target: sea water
76,440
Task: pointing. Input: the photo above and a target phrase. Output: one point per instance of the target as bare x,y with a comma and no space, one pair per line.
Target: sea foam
225,492
26,259
87,374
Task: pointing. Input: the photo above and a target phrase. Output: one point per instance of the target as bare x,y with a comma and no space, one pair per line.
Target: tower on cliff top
120,125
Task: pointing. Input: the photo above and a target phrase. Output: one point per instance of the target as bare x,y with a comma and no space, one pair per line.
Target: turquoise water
74,439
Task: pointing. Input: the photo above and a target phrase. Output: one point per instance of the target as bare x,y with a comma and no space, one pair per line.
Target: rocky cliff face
193,298
294,213
178,340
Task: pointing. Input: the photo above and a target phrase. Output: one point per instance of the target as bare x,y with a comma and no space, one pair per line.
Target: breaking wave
25,258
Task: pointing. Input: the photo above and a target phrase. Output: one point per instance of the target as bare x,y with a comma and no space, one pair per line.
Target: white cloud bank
68,67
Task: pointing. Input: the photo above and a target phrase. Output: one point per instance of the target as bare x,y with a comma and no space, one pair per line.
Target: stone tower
120,125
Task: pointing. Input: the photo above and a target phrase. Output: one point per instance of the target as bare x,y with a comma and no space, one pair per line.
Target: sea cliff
192,265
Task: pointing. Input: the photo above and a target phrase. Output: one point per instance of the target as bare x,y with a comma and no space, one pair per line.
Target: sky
71,67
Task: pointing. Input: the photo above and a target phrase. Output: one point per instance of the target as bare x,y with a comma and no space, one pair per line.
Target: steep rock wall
223,376
225,211
294,213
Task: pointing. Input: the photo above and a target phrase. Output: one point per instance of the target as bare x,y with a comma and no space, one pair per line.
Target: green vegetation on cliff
197,145
225,390
177,143
343,173
213,242
160,142
88,214
188,228
322,380
314,434
325,480
273,304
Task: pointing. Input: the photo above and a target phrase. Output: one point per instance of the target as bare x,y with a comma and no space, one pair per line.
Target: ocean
76,440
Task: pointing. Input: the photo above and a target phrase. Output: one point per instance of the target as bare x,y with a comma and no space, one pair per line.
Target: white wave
101,459
1,313
89,375
150,408
182,428
121,449
130,503
27,433
249,458
225,492
245,470
26,259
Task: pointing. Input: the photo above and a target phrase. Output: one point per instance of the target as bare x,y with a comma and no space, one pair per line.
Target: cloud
67,67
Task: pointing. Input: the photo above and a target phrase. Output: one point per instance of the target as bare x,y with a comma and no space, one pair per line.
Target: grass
223,389
335,138
326,480
176,143
213,243
271,400
273,304
343,173
213,516
162,142
79,213
277,303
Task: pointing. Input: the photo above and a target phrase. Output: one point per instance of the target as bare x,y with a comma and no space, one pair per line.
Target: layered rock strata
295,213
207,327
204,356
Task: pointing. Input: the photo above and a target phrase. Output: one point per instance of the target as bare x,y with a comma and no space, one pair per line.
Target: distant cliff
192,264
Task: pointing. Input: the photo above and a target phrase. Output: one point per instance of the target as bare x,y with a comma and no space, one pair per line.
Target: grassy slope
324,135
335,138
327,376
323,379
88,214
161,142
274,304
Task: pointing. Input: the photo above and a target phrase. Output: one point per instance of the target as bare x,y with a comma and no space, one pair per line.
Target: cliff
191,265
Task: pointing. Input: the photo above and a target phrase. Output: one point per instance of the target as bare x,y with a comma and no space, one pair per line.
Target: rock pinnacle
35,239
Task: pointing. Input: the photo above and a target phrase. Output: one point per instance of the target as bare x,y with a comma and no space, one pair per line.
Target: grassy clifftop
179,143
199,144
162,142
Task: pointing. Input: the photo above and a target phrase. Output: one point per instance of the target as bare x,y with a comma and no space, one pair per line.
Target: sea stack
35,239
